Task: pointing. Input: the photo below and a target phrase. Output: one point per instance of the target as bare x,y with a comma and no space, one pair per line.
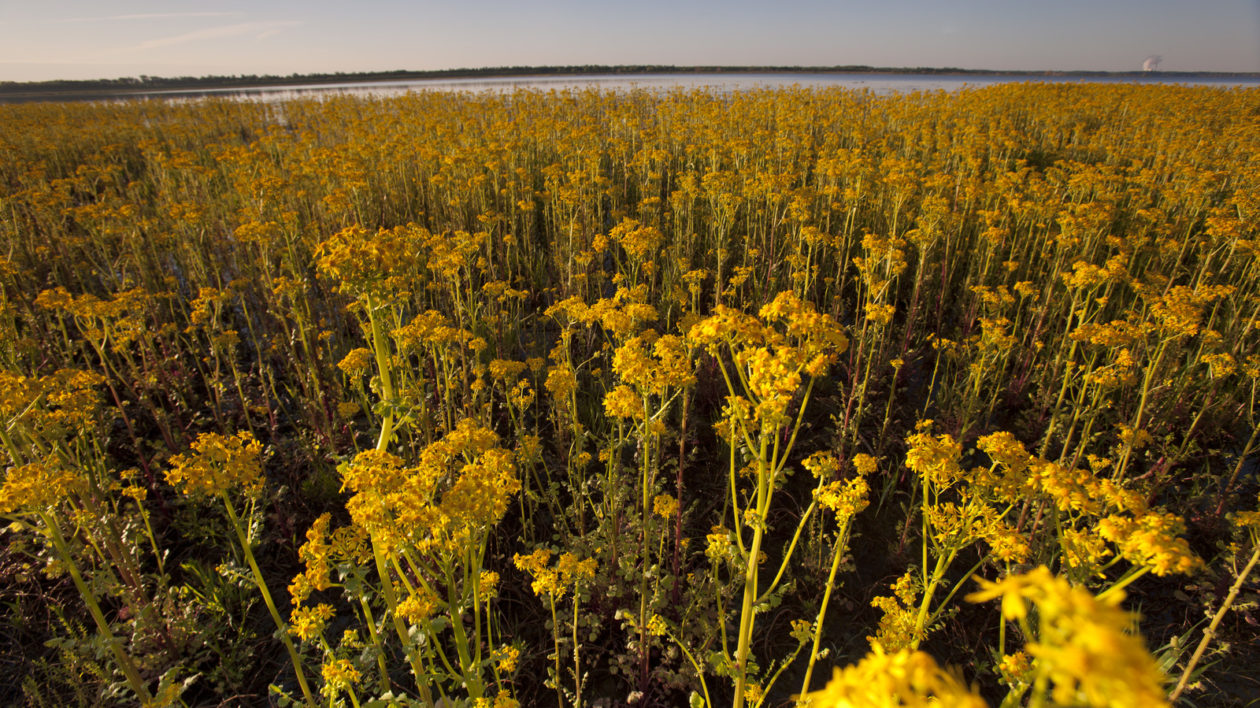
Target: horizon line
580,69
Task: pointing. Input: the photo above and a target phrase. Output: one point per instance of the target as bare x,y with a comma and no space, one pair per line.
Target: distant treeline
144,84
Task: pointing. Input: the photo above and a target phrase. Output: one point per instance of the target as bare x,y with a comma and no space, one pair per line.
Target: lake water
877,83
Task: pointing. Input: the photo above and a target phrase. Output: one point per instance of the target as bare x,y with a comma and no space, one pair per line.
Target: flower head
217,464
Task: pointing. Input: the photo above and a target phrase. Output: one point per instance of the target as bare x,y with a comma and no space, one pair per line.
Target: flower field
764,398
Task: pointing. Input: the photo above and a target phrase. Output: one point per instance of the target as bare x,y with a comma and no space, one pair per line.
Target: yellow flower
821,464
1151,540
546,580
903,678
573,571
358,362
506,658
506,370
802,630
1084,551
622,402
315,554
639,241
217,464
1081,645
656,626
418,606
37,486
880,315
340,675
897,628
307,623
864,464
1015,669
381,266
561,382
488,584
935,458
665,506
846,499
718,546
52,407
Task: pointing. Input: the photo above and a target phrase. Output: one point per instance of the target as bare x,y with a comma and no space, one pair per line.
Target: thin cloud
151,16
260,30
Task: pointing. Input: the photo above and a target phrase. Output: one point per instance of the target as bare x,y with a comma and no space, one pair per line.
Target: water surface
876,82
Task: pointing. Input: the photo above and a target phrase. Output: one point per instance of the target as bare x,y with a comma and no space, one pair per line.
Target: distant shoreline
145,85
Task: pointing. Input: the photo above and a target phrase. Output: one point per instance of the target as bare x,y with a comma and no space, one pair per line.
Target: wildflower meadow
598,398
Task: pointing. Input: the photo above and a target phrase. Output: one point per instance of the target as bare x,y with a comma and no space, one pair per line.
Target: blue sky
105,39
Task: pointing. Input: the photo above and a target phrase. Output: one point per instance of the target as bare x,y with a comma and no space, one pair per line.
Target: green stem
695,665
791,548
747,613
376,642
1210,632
391,602
387,382
124,661
271,605
577,662
555,639
1123,582
921,621
471,678
836,554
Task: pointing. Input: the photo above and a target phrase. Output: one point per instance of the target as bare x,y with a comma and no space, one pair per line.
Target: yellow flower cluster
904,678
117,322
1086,275
1248,520
381,265
1113,335
1016,670
324,551
640,241
822,465
561,382
1096,511
218,464
770,353
567,574
653,364
340,675
307,623
718,546
623,402
418,606
506,370
621,315
1151,540
36,487
502,700
665,506
1081,644
357,362
506,659
460,485
430,329
51,407
935,458
845,499
1180,311
897,625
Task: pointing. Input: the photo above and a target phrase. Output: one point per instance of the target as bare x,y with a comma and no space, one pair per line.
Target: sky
79,39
